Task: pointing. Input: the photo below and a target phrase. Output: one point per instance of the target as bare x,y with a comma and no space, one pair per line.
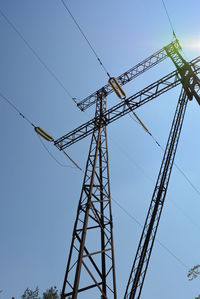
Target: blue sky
38,197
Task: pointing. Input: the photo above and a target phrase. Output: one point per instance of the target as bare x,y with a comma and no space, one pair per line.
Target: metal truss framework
191,87
129,75
139,269
94,210
189,79
137,100
93,223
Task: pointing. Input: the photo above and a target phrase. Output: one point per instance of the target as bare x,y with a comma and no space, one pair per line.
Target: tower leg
91,257
139,268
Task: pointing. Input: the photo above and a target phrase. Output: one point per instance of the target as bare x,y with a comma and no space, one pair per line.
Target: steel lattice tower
138,271
191,87
93,222
91,258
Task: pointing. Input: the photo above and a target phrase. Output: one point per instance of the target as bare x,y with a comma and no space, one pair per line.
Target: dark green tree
51,293
194,273
29,294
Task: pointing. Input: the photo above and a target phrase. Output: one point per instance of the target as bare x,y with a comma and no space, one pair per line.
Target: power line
60,83
68,166
130,158
152,181
188,180
157,240
169,19
13,106
179,169
176,165
52,156
190,219
36,55
77,166
95,53
86,39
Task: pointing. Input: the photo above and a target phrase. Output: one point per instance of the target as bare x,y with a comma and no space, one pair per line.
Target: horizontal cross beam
133,102
129,75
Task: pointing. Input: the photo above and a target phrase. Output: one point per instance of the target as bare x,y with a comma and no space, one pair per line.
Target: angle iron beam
129,75
93,260
141,261
137,100
189,79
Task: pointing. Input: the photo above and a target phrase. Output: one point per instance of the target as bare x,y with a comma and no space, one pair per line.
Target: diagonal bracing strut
137,100
191,87
139,268
95,195
129,75
92,251
189,79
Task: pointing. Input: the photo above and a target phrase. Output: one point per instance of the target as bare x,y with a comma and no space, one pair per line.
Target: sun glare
192,44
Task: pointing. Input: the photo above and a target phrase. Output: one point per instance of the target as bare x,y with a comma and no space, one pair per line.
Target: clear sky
38,197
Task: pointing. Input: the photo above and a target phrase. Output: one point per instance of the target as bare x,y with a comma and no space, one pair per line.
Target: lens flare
192,44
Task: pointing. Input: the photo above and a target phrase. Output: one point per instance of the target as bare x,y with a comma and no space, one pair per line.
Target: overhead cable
77,166
86,39
36,55
39,132
152,181
169,19
10,103
52,156
140,122
157,240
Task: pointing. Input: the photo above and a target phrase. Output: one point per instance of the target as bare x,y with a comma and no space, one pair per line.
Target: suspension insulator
117,87
43,134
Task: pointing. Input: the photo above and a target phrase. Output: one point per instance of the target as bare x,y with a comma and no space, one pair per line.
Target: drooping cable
36,55
52,156
183,174
130,158
185,214
86,39
14,107
187,179
162,149
157,240
77,166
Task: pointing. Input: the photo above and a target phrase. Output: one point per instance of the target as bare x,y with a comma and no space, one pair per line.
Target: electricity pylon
131,74
141,261
91,258
93,222
191,87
